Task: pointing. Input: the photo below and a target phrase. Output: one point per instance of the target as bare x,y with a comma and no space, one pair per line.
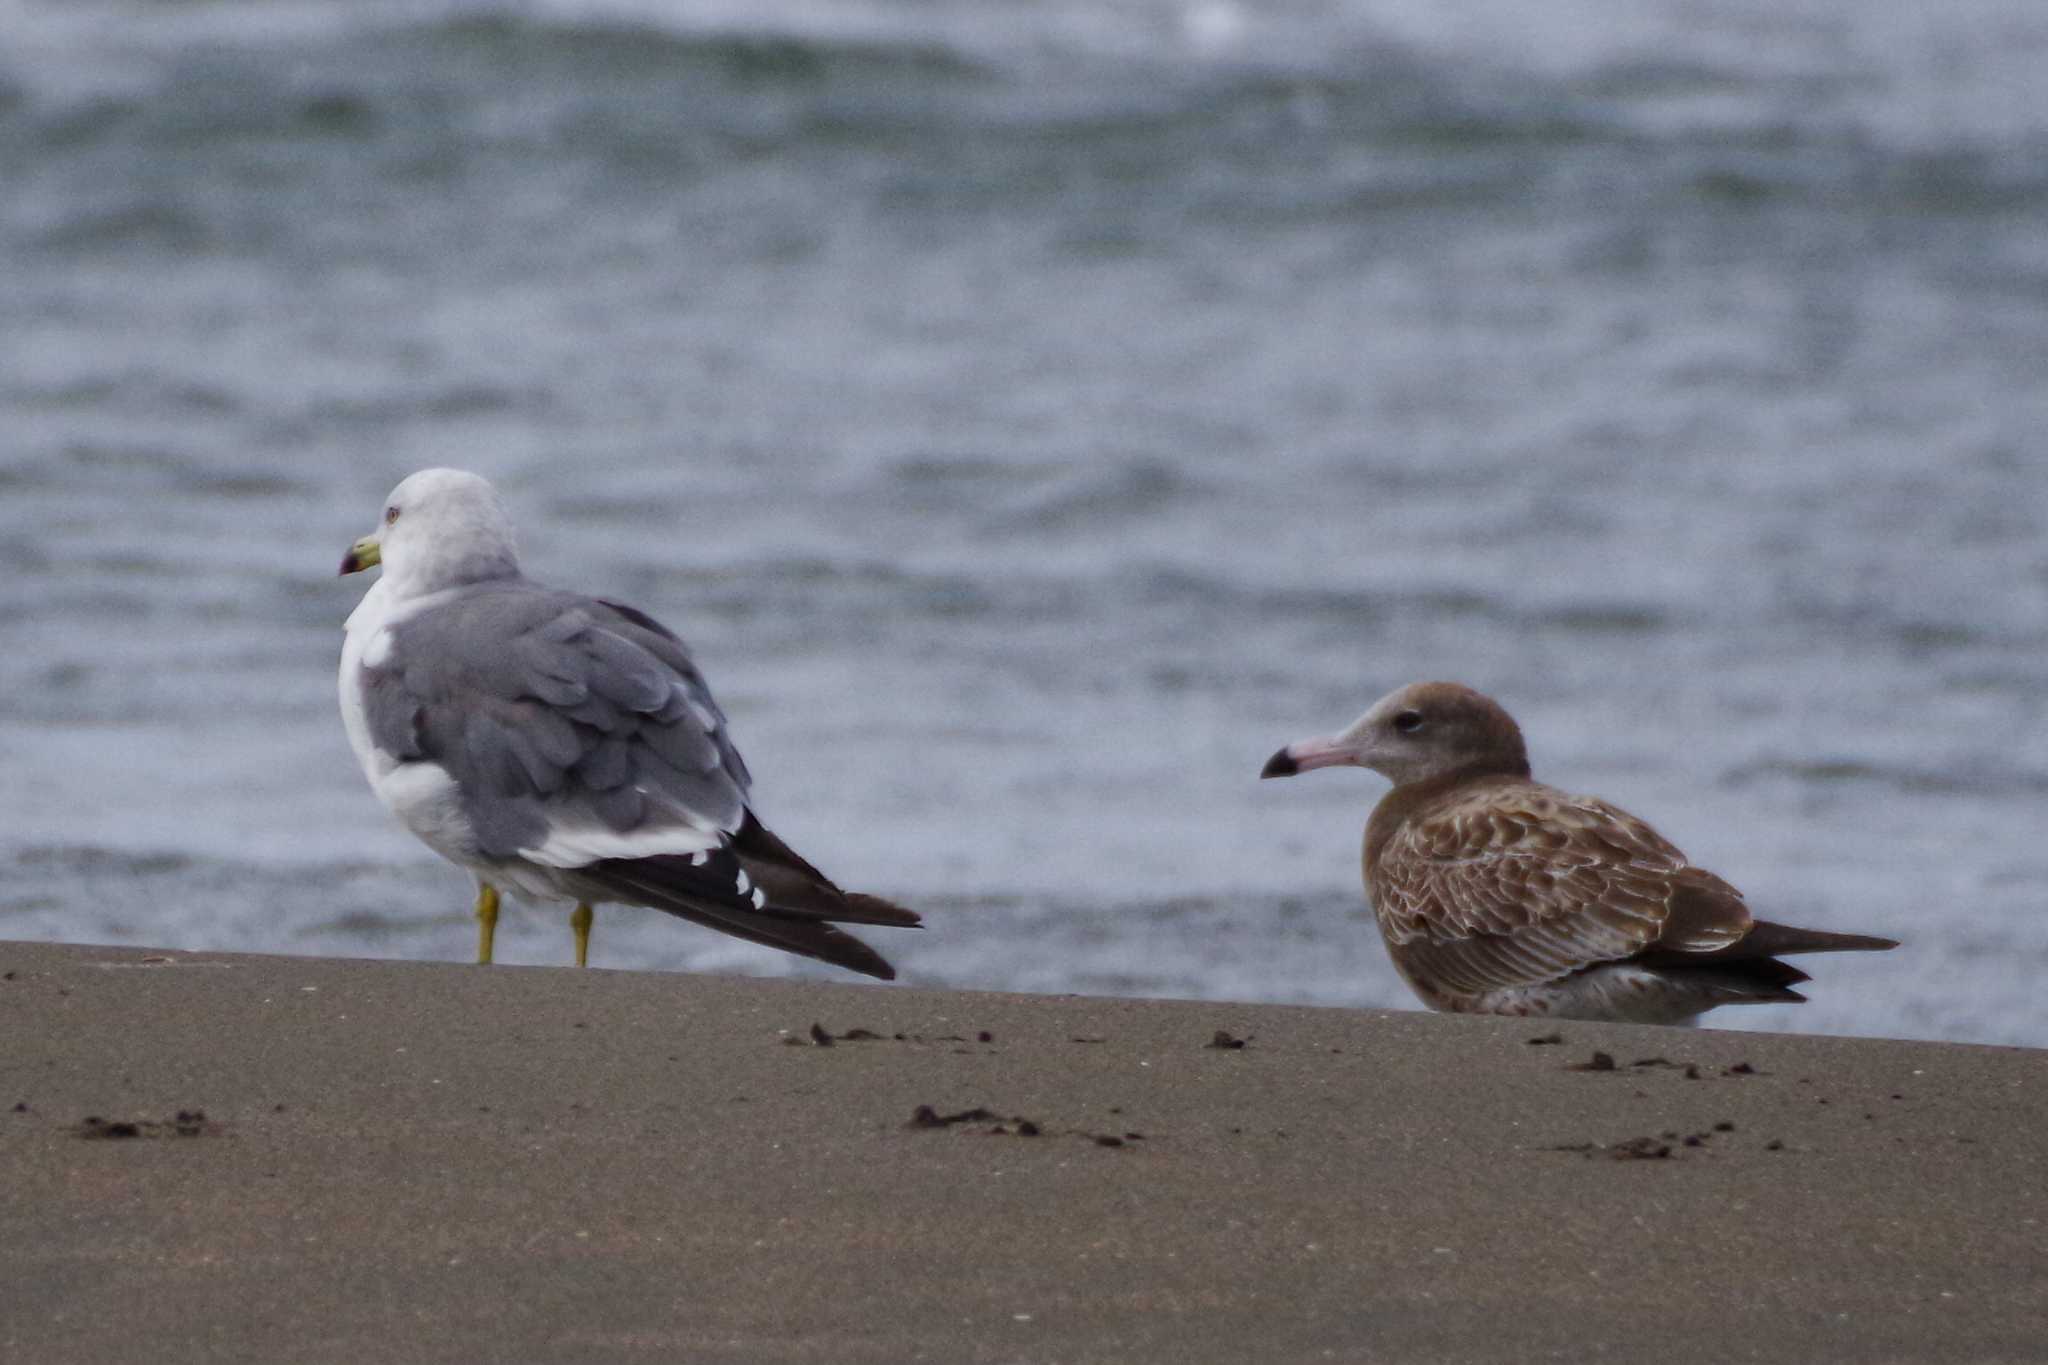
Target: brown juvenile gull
1499,895
563,747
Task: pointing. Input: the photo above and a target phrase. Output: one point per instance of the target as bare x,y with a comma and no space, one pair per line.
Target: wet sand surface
215,1157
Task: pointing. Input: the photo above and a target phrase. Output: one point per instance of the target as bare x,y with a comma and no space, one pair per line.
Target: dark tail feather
1745,981
1747,972
800,904
803,935
796,887
1766,939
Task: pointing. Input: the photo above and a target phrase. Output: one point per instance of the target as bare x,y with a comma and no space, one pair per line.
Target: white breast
422,795
364,623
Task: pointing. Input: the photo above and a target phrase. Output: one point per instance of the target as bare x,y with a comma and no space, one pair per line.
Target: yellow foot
579,923
486,921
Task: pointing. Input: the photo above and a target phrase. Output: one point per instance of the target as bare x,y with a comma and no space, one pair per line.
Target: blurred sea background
1034,415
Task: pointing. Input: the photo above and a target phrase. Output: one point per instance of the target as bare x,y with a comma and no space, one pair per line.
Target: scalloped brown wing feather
1499,882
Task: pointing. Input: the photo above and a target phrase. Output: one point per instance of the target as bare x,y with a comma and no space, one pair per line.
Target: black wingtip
1281,764
842,949
1766,938
862,909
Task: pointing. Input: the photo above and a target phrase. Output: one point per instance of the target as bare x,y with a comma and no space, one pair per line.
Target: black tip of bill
1280,765
350,564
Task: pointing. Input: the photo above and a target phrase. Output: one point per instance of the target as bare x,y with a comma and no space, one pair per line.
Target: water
1035,415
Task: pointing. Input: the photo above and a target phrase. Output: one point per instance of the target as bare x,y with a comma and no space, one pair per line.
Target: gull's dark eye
390,515
1407,722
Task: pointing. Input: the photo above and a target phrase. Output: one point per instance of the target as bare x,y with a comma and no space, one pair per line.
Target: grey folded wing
557,715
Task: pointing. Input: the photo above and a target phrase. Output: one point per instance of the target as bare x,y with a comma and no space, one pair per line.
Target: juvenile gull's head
441,528
1421,731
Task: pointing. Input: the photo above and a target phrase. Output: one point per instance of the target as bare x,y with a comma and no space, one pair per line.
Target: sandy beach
216,1157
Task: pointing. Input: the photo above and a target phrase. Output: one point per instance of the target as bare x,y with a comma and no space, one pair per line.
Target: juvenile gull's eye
1408,722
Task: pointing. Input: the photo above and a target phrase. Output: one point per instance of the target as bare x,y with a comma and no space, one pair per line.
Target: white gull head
441,528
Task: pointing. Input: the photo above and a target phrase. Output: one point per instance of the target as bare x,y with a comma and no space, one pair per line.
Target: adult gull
1497,894
562,747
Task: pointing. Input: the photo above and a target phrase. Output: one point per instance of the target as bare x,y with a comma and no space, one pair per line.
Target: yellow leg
579,923
486,921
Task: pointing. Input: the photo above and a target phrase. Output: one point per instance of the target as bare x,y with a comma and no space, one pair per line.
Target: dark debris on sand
1629,1149
1646,1148
926,1116
1604,1061
1692,1072
820,1036
186,1123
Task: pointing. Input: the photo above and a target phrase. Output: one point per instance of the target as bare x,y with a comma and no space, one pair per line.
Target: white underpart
571,846
365,621
421,795
379,648
1617,992
424,797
